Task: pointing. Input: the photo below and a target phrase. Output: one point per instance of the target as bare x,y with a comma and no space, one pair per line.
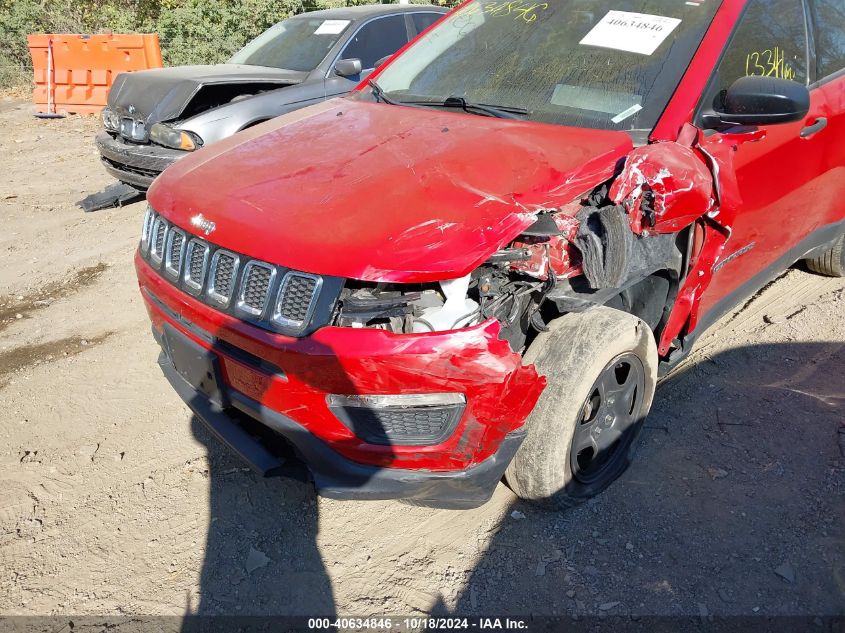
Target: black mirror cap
758,100
348,67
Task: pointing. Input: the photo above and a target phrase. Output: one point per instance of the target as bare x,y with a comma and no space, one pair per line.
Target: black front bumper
335,476
137,165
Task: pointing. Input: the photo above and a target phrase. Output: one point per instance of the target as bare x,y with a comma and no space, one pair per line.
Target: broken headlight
110,120
163,134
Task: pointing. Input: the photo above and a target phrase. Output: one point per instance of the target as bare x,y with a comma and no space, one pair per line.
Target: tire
831,262
581,355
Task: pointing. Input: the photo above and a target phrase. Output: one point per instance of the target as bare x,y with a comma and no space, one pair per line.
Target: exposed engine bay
570,259
489,292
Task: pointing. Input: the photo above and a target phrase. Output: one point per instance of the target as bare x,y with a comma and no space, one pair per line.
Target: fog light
409,420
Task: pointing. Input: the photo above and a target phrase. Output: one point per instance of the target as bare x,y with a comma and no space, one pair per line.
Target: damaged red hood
383,193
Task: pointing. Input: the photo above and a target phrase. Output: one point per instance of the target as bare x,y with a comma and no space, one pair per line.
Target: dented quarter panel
448,206
500,391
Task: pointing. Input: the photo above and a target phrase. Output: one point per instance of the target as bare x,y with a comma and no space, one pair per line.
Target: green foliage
196,31
191,31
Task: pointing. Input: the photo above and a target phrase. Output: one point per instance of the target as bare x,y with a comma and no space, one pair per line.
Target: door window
829,19
424,20
377,39
770,41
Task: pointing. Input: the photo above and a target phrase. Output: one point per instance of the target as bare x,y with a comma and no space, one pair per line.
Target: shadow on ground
261,555
734,506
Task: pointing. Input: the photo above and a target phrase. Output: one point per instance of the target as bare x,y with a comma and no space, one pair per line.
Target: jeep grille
265,294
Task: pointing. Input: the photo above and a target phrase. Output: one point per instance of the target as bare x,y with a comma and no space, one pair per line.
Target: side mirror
758,100
348,67
379,62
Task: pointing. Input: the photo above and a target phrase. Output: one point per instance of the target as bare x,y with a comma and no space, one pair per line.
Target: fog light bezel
347,407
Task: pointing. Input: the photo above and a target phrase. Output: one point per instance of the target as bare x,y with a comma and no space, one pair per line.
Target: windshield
608,64
296,44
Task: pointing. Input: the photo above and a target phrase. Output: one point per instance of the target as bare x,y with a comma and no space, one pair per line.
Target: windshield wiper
378,93
498,111
501,112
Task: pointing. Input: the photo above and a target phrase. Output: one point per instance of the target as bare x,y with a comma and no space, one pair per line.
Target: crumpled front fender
668,182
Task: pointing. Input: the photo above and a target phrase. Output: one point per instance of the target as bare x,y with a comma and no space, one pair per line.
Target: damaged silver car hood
162,94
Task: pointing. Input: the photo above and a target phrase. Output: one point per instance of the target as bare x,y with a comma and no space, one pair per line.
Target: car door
380,37
828,19
774,171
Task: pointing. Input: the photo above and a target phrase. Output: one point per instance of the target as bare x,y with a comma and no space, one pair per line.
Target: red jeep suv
478,264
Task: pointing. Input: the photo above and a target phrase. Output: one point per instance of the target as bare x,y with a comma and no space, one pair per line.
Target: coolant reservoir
457,311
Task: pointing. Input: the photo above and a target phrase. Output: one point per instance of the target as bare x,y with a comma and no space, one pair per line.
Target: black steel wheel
601,371
604,434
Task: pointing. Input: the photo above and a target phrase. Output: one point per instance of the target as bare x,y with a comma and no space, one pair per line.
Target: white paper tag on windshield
331,27
632,32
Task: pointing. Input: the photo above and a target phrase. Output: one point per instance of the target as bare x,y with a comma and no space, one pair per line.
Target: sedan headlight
110,120
163,134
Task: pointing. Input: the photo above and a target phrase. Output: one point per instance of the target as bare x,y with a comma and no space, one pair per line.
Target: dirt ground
113,500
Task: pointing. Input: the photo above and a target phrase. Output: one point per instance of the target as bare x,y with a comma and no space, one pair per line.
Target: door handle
817,126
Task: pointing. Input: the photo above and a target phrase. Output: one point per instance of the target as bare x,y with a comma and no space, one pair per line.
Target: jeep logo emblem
206,226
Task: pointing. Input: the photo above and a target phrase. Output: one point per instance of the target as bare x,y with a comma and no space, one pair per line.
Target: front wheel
601,369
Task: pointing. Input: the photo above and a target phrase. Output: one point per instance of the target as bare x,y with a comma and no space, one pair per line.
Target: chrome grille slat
174,252
216,276
149,216
255,287
223,276
295,302
158,240
196,258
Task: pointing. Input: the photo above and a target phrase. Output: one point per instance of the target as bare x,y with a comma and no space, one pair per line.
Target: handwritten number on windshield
518,10
768,63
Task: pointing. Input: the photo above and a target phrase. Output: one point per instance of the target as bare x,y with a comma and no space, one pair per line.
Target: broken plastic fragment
115,195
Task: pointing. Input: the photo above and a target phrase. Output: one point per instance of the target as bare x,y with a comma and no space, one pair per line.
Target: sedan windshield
296,44
608,64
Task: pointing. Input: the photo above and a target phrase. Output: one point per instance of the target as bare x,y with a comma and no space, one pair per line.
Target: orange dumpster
73,73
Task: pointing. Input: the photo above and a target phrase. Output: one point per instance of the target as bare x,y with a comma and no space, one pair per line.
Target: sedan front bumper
135,164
